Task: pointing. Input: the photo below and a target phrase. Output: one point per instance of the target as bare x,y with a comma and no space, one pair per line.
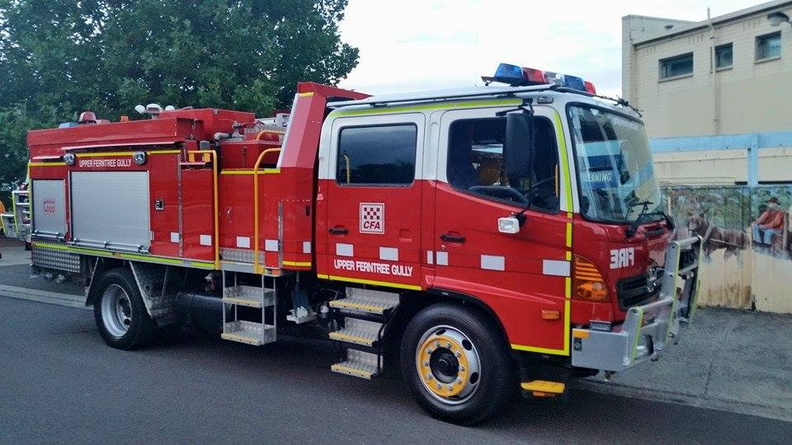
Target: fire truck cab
482,240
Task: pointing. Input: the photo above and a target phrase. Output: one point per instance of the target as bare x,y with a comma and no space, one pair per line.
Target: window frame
758,44
532,207
718,48
338,156
665,60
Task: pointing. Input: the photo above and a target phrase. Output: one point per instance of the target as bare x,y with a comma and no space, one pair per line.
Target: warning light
515,75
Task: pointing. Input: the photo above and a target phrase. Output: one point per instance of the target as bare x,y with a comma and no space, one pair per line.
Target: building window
768,46
676,66
723,56
377,155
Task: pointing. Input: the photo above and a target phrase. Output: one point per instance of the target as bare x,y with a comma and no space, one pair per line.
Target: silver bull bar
649,328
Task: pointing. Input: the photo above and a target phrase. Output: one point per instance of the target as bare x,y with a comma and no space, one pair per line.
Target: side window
382,155
476,163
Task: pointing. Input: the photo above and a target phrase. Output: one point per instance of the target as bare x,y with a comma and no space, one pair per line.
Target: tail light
587,282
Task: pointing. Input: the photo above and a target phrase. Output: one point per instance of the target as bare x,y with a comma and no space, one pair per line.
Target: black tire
438,341
120,313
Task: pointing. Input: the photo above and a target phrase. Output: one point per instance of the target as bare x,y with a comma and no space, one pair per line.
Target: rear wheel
457,364
120,313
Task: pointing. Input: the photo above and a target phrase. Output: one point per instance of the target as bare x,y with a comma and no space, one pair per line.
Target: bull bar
647,329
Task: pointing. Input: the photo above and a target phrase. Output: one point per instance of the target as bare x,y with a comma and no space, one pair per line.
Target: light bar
520,76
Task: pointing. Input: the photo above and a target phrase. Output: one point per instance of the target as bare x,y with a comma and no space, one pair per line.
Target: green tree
61,57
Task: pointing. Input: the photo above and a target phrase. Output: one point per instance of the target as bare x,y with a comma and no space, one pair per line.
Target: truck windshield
617,180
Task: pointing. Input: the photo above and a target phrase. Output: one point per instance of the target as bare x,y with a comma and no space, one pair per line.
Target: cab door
371,201
522,277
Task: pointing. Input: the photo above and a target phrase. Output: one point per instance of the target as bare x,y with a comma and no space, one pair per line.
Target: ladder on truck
366,313
249,303
16,223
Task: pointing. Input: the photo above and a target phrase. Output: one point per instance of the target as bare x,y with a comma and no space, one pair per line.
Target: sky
418,45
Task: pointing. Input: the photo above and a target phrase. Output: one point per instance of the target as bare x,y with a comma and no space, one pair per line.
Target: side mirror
518,148
509,224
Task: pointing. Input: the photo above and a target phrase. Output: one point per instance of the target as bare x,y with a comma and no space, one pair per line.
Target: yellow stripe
164,152
567,323
441,106
569,234
297,263
351,338
539,350
322,276
47,164
567,331
127,256
50,246
372,282
266,171
569,256
308,94
564,159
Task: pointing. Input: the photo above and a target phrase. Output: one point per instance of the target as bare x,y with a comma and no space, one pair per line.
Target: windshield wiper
644,214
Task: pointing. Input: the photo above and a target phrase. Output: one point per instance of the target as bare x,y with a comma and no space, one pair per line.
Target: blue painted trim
725,142
750,142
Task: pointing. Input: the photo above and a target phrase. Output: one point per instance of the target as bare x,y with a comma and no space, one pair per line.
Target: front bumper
648,328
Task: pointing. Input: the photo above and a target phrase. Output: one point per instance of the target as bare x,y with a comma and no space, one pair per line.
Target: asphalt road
59,383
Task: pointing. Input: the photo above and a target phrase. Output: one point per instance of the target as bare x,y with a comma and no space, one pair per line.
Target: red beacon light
521,76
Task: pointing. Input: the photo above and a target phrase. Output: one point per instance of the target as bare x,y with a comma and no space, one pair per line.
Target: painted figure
770,223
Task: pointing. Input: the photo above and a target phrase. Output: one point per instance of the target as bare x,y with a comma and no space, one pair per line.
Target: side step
543,388
367,301
359,364
249,332
252,327
365,312
358,332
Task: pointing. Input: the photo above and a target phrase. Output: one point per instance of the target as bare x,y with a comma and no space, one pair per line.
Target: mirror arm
526,107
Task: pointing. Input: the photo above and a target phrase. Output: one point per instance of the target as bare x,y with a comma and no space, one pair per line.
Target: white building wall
749,97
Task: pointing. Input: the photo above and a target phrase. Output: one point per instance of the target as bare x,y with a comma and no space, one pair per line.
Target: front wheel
457,364
120,313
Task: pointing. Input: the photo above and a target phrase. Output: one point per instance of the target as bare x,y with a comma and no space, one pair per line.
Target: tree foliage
61,57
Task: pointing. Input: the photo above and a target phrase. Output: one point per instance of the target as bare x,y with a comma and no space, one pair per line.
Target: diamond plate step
354,336
363,304
358,332
250,296
358,364
248,332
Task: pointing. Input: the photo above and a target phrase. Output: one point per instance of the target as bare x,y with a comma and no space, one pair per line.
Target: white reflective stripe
429,257
442,258
493,262
306,247
556,268
345,249
175,237
389,253
206,240
271,245
243,242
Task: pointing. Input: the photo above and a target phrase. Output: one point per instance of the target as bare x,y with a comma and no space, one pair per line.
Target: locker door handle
339,230
452,238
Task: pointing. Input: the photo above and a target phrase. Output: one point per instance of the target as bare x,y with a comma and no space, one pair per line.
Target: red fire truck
483,241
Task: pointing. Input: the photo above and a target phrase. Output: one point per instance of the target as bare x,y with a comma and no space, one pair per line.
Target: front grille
635,290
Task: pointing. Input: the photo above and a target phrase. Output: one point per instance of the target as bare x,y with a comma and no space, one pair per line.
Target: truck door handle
339,230
452,238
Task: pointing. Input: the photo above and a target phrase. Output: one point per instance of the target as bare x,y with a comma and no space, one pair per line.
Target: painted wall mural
747,257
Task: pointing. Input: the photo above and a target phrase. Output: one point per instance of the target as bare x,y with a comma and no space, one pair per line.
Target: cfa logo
622,257
372,217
